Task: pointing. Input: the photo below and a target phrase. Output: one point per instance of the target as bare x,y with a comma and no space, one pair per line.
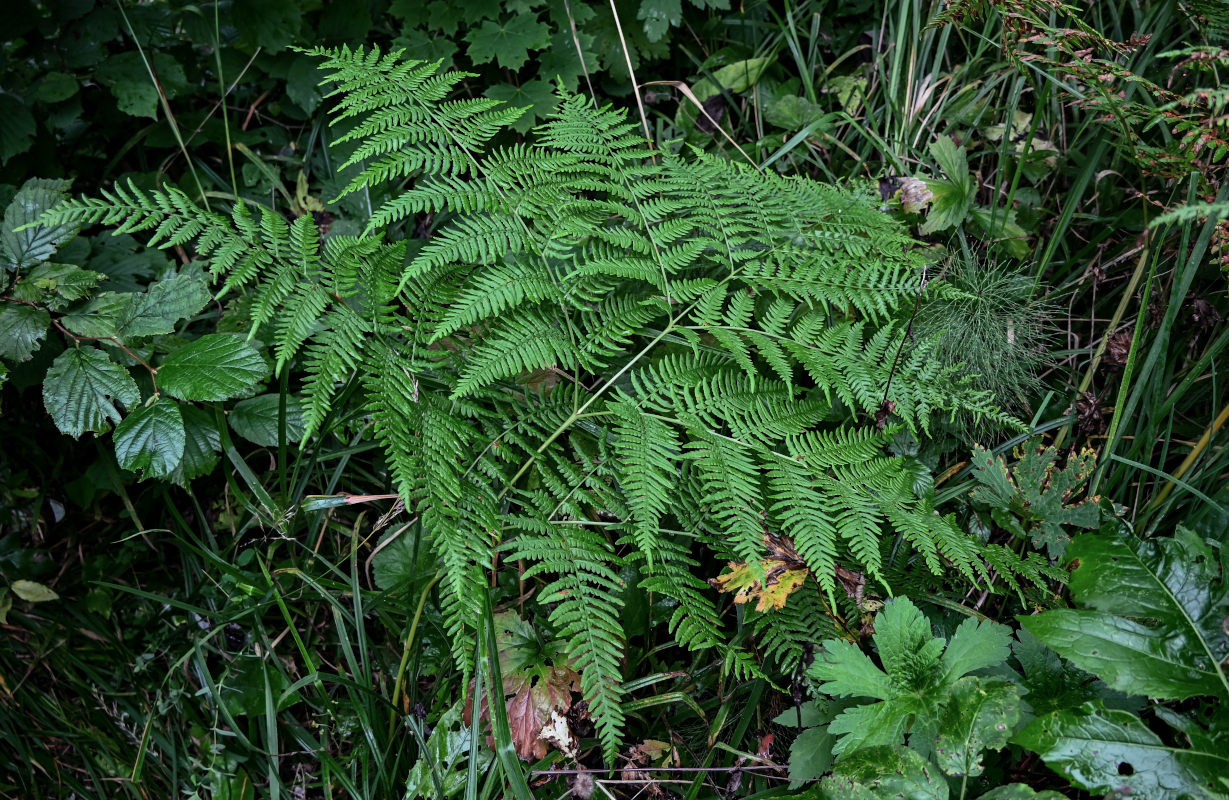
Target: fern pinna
604,361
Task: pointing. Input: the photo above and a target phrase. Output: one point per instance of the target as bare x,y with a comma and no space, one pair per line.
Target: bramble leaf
151,439
20,249
82,388
217,366
22,327
255,419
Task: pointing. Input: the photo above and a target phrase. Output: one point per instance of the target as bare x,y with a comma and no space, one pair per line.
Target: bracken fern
605,361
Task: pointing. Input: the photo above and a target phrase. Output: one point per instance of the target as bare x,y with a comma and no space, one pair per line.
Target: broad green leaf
810,756
57,86
1001,226
735,78
155,311
54,285
36,243
401,561
151,439
269,24
255,419
129,80
885,773
1108,751
1156,623
248,680
33,592
507,42
981,715
217,366
82,388
22,327
202,445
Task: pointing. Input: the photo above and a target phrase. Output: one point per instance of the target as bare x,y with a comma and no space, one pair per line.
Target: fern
596,331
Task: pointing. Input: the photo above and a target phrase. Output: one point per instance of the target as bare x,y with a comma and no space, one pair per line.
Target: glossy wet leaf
1109,751
1153,622
216,366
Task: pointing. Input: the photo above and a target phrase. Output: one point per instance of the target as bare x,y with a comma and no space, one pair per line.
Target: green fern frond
586,590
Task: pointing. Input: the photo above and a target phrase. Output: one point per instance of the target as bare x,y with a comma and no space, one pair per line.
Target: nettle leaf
155,311
82,388
34,244
202,445
217,366
1033,498
1112,752
151,439
1154,622
255,419
22,327
508,42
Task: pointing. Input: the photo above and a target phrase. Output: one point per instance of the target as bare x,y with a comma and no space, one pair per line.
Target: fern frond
586,590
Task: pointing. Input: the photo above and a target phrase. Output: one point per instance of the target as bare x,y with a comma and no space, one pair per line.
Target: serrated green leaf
981,715
1156,623
975,645
217,366
22,327
155,311
136,94
55,285
81,389
34,244
845,671
57,86
33,592
151,439
255,419
659,16
202,445
508,42
1109,751
885,773
810,755
539,96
